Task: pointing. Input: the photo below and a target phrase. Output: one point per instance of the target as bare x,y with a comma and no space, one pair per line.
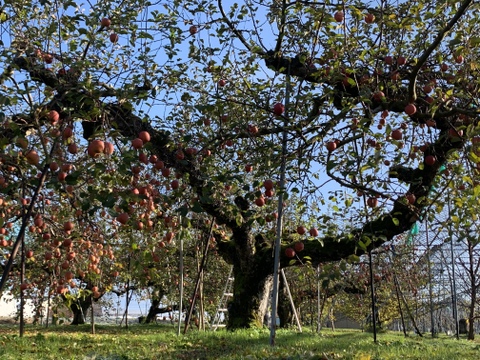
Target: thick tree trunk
79,309
285,312
250,299
153,311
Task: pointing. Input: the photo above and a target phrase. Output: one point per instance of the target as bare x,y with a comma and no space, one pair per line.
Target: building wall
9,306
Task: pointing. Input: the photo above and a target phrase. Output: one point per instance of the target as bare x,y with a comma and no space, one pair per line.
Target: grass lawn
161,342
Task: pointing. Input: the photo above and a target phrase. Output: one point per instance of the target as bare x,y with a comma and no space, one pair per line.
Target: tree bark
157,296
285,313
250,299
153,311
79,309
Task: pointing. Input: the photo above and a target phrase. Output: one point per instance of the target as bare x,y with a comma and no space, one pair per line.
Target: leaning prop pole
199,279
453,282
180,284
292,304
278,240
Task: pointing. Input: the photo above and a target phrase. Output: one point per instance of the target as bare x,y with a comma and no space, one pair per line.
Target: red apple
66,242
222,82
137,143
252,129
397,134
331,146
166,172
105,22
372,202
411,198
268,184
260,201
145,136
289,252
410,109
68,226
388,60
123,218
32,157
339,16
455,134
180,155
95,148
278,109
427,88
193,30
401,60
299,246
72,148
379,96
53,116
430,160
369,18
301,230
67,132
113,38
313,232
108,150
47,58
175,184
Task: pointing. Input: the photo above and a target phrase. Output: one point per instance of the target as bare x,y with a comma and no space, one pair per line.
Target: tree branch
426,54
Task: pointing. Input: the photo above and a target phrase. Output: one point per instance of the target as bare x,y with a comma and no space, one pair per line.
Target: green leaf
239,219
109,200
197,208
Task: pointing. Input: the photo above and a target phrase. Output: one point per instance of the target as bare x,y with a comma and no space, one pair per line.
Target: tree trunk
153,311
79,309
250,299
285,313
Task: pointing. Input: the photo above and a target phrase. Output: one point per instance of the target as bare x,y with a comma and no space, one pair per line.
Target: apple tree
187,102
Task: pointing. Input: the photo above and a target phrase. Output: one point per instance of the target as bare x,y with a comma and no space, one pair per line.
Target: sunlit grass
162,342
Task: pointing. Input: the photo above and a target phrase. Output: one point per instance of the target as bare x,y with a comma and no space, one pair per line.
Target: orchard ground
161,342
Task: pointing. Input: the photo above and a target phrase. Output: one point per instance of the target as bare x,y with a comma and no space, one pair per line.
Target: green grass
161,342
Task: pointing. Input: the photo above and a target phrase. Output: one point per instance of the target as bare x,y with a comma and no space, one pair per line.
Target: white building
9,306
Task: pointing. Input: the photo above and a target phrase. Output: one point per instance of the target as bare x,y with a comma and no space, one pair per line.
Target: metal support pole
180,284
430,285
278,240
372,294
